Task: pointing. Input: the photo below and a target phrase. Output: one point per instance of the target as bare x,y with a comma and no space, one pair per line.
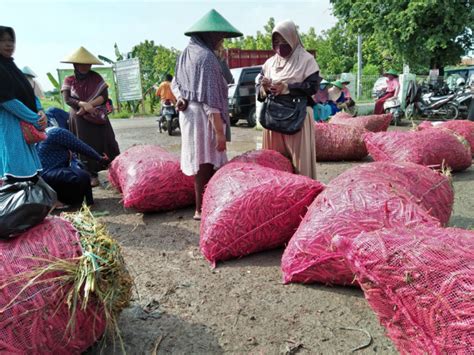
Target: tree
146,52
336,50
165,61
431,33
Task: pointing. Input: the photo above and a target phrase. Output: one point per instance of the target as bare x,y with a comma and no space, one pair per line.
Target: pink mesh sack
336,142
464,128
35,321
372,123
365,198
420,283
150,179
266,157
249,208
430,147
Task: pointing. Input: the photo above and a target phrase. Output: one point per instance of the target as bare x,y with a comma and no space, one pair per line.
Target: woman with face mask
18,159
86,94
291,72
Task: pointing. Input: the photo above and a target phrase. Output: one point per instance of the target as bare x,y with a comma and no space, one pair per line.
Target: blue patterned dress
17,158
64,175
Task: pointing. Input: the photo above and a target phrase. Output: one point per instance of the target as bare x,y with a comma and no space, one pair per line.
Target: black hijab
13,83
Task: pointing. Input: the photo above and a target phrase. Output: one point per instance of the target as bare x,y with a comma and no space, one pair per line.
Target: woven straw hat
214,22
82,56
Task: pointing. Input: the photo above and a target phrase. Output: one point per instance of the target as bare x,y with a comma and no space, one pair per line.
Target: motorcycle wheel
160,125
170,127
452,112
409,111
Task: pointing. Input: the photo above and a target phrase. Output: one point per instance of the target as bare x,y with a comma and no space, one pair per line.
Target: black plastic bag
24,205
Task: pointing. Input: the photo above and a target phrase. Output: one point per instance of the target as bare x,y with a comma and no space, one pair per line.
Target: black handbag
24,205
283,113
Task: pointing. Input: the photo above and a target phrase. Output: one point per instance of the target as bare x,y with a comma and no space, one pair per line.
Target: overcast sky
49,30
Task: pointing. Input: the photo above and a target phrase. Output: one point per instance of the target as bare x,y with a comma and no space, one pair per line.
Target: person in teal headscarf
322,110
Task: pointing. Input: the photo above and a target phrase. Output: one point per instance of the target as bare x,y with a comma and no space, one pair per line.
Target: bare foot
95,182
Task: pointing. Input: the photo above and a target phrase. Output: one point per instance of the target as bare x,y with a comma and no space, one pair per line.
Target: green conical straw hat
391,72
214,22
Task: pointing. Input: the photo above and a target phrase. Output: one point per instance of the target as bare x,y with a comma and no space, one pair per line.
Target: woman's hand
43,120
278,88
87,106
221,144
104,160
181,104
266,83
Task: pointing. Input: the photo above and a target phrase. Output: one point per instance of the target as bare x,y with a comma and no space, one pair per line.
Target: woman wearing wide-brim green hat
392,72
213,22
337,84
393,86
201,90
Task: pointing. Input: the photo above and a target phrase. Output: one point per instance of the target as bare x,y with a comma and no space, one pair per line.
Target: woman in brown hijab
291,71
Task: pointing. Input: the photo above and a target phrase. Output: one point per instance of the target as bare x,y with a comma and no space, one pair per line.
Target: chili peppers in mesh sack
336,142
464,128
265,157
436,148
363,199
150,179
372,123
420,283
249,208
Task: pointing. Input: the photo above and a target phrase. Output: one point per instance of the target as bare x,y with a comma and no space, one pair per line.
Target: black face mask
79,75
284,50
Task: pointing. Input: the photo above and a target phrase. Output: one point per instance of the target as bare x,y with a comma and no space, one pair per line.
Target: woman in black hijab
18,160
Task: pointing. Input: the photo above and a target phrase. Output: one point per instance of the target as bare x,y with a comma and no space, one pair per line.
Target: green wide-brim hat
214,22
391,72
82,56
337,84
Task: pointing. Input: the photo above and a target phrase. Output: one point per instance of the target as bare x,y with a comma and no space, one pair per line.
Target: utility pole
359,65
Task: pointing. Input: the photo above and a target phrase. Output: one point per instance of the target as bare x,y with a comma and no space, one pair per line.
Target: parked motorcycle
425,103
442,107
168,120
463,97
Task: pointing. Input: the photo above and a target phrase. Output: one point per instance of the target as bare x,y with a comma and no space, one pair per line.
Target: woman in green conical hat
393,87
201,90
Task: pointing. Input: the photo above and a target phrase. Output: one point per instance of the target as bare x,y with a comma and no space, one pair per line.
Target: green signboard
107,74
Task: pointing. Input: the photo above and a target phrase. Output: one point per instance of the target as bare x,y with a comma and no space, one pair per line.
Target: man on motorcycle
392,90
164,90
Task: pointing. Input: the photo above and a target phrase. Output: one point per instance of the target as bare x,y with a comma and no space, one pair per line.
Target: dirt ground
183,306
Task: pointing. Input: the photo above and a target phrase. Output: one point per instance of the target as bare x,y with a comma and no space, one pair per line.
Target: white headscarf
298,65
334,93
